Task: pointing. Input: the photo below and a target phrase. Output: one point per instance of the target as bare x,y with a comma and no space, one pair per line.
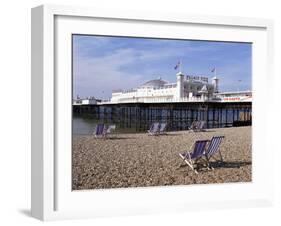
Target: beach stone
139,160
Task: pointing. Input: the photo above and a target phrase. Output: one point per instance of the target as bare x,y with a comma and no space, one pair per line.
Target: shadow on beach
119,138
233,164
220,165
185,132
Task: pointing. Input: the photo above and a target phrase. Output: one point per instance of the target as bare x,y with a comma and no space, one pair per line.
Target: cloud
102,64
99,76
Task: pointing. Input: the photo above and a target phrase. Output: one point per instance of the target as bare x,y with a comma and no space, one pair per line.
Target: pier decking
137,117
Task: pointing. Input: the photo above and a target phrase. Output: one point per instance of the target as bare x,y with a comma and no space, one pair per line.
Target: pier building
186,87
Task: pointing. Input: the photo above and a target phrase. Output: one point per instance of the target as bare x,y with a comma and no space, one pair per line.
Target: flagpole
180,66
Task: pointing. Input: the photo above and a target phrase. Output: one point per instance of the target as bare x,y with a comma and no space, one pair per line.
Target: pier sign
232,99
201,78
237,99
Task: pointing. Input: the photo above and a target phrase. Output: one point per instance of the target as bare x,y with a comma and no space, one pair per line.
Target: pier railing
177,100
159,100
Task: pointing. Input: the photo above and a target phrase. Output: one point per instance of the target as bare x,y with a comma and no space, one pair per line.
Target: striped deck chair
110,129
213,148
200,126
100,130
154,129
197,126
162,128
193,158
193,125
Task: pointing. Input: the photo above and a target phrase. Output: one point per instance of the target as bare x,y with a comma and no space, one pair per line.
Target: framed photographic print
136,113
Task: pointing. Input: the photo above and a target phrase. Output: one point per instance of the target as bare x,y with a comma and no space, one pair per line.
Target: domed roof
204,89
154,83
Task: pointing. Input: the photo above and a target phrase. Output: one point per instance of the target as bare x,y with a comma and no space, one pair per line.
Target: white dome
155,83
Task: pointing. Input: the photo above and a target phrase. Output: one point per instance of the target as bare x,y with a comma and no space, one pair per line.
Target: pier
137,117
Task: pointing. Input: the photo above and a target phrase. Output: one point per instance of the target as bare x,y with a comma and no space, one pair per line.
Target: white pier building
186,88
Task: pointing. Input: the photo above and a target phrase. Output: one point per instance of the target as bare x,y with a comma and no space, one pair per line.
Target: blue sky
102,64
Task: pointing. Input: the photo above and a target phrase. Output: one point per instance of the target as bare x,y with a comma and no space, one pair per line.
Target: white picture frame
52,197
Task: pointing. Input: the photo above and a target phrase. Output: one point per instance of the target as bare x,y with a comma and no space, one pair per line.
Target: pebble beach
140,160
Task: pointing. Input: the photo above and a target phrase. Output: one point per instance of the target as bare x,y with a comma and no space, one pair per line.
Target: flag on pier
214,69
177,65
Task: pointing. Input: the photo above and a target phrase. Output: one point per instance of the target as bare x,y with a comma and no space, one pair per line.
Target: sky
102,64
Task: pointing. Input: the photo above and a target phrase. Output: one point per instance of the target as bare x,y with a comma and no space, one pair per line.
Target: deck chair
197,126
201,126
100,130
162,128
110,129
192,158
193,126
154,129
213,148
